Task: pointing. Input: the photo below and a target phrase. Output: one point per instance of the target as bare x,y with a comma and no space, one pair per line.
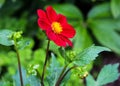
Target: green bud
36,66
71,55
17,35
81,72
32,69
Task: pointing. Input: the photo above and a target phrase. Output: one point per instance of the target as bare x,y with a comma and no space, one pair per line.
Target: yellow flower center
56,27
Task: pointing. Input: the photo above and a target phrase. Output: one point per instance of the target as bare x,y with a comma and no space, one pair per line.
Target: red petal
68,31
43,24
54,37
41,13
51,13
51,35
61,18
60,42
67,41
43,20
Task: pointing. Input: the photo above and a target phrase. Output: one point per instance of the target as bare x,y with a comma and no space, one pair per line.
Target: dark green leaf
10,7
105,30
108,23
109,73
100,11
82,39
115,7
33,81
14,24
16,78
5,83
68,10
27,80
90,80
2,2
54,71
5,37
86,56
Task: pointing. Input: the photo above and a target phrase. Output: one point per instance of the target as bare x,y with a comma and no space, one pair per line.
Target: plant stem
63,75
38,74
19,63
45,64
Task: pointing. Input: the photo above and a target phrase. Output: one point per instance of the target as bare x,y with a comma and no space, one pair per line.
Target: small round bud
17,35
71,55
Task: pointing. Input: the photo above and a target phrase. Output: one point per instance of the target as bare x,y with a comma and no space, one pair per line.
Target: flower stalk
45,64
63,75
65,67
19,63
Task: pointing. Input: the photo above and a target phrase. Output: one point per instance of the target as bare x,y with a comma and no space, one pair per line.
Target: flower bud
17,35
71,55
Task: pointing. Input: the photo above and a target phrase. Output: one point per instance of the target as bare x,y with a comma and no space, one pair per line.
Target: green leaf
16,78
25,54
68,10
108,23
105,30
33,81
5,37
108,74
82,39
54,71
90,80
100,11
27,80
39,58
2,2
62,52
87,55
5,83
25,43
115,8
14,24
10,7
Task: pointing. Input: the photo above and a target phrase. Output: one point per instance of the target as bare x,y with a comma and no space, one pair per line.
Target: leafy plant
39,61
108,74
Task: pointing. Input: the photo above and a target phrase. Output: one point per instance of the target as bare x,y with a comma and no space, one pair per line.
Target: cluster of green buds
68,55
81,72
71,55
32,69
16,35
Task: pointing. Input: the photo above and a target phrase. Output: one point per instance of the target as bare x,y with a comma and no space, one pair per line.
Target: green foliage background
96,22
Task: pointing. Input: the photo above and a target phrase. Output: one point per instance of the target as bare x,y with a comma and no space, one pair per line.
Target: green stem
45,64
19,63
38,74
65,67
63,75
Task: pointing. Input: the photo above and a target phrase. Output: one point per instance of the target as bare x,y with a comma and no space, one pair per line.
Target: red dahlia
56,26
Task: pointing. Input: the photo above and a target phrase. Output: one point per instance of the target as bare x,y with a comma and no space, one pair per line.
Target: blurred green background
96,22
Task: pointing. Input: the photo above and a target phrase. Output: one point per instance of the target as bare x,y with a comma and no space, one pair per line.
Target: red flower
56,26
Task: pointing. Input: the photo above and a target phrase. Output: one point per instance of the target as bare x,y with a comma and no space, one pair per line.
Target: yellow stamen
56,27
